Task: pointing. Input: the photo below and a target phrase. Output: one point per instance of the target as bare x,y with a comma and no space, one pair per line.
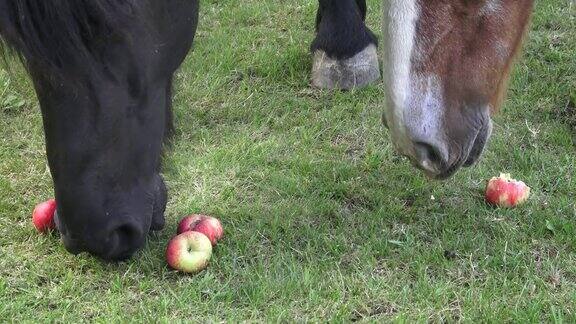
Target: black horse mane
54,33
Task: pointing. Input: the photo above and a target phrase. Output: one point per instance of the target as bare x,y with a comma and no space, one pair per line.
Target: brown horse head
446,66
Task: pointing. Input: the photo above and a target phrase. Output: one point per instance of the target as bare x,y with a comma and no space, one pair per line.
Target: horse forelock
52,34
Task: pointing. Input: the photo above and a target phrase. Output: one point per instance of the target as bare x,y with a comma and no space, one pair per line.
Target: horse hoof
355,72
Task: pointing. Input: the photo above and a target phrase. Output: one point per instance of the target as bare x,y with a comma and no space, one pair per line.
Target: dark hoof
355,72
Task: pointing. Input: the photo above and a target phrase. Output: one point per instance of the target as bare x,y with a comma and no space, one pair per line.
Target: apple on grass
43,216
207,225
189,252
506,192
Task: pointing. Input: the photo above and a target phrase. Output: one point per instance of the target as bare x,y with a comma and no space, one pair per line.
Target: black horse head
102,70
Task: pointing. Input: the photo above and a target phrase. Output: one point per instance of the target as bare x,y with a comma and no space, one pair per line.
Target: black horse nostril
126,232
123,241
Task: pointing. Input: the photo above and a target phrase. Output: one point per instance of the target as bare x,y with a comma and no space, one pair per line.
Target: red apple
43,216
188,222
189,252
506,192
207,225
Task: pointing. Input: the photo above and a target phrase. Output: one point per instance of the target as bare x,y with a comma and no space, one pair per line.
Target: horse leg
345,50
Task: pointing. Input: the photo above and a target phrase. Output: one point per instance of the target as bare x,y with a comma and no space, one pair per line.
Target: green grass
323,221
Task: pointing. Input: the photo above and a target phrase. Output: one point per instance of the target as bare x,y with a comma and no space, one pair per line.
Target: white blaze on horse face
399,32
424,117
415,105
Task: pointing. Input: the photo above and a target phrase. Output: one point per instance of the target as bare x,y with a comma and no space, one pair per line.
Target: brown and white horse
446,64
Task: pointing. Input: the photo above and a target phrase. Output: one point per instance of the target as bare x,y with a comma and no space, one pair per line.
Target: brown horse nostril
430,157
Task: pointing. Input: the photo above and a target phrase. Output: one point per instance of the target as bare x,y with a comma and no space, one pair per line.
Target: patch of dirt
555,279
350,259
354,145
570,277
374,310
409,201
452,313
544,253
383,269
450,255
465,271
237,76
356,204
568,115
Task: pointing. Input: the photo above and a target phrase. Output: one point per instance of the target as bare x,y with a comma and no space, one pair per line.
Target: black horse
102,71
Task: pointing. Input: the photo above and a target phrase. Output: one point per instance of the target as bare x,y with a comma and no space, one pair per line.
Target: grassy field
323,221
